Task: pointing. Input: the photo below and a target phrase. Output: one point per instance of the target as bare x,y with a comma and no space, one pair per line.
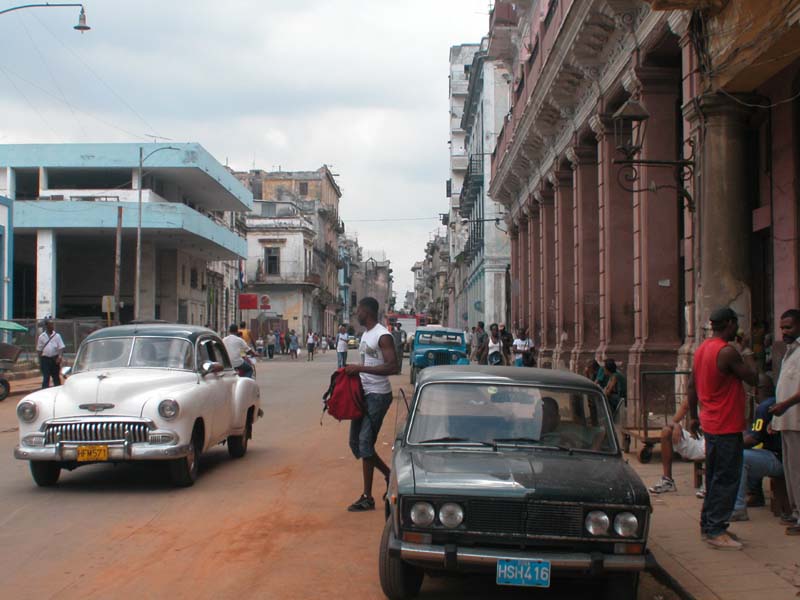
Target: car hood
434,348
126,389
540,474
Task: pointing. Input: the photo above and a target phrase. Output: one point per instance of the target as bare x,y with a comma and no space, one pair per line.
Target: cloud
359,85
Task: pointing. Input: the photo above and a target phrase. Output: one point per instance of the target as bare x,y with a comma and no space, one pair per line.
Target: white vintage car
139,392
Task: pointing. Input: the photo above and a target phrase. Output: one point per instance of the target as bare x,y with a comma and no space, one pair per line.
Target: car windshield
147,352
440,339
513,415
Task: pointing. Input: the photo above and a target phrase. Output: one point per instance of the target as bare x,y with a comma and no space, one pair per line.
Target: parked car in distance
516,473
352,342
139,392
436,345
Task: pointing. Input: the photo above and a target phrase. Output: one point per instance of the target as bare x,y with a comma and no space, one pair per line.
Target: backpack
344,399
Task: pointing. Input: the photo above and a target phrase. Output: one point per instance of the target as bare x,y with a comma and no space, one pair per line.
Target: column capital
582,155
656,80
560,178
601,124
732,106
678,22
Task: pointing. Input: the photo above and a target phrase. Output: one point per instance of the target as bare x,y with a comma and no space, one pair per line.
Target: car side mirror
209,367
66,371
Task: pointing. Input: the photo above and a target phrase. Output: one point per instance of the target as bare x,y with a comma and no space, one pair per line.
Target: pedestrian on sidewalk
271,345
676,440
764,460
311,343
481,341
341,347
323,344
379,361
716,387
293,344
50,347
786,413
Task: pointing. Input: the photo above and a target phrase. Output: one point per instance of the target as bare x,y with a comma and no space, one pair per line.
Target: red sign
263,302
248,301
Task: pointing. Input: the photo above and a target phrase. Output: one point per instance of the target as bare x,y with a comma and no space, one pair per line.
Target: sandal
364,503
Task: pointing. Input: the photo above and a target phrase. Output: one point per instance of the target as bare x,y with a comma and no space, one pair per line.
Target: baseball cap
721,315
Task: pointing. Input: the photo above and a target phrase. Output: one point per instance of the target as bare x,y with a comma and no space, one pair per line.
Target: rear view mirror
66,371
209,367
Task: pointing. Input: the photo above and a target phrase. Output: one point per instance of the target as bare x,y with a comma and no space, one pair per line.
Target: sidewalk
768,566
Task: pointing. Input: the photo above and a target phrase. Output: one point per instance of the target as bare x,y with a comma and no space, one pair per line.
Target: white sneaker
665,484
701,492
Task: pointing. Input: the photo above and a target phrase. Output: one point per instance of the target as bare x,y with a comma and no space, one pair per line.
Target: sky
289,84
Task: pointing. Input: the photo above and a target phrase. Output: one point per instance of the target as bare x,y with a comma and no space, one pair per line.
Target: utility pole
118,266
137,283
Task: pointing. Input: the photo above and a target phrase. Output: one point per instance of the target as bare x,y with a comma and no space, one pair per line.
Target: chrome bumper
117,451
452,557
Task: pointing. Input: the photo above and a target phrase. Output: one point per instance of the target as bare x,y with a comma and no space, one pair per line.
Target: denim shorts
364,431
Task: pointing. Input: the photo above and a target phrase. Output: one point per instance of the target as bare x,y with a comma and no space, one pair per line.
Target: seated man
556,432
675,439
759,462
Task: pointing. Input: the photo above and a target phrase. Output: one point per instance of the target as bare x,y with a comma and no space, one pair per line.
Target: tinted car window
511,414
105,353
440,339
170,353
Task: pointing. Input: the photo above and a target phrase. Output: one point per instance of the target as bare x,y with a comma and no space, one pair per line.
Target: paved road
271,525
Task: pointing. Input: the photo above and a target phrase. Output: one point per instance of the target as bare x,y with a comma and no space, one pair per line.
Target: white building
480,248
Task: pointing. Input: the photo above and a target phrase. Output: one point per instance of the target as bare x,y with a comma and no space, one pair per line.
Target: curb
661,575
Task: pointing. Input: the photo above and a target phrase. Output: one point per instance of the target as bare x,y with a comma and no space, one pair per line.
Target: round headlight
626,524
429,355
27,411
451,515
422,514
454,357
597,522
168,409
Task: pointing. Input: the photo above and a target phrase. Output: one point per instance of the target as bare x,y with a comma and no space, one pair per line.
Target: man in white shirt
379,361
237,349
341,347
50,347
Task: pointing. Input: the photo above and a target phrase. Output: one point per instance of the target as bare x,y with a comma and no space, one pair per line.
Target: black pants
271,350
723,469
49,368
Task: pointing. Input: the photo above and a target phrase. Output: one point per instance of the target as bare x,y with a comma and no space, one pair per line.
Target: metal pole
136,311
118,265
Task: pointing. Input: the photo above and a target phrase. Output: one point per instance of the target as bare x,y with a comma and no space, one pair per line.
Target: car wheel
45,472
183,471
622,587
237,444
413,375
398,579
5,389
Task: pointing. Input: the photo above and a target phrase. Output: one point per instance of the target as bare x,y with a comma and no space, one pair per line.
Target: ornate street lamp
630,128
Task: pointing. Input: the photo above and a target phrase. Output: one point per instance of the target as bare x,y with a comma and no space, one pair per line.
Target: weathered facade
431,281
614,259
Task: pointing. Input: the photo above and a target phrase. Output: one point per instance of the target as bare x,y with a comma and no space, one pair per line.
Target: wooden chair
778,498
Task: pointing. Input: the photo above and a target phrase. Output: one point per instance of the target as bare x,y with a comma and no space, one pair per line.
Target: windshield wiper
458,440
511,440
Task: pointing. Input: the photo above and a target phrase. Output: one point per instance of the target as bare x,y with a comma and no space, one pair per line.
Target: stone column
615,248
547,301
513,233
524,266
534,261
724,216
586,237
46,299
564,266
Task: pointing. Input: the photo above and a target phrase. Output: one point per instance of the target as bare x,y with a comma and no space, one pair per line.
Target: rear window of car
511,414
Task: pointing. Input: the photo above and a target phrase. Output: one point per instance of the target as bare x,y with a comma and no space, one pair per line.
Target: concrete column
547,301
534,319
656,243
586,238
564,266
148,281
514,235
615,248
44,183
724,215
46,299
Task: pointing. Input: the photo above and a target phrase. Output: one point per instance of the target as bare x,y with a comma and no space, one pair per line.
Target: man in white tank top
379,360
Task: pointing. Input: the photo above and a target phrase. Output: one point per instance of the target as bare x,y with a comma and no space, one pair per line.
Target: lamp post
137,285
81,26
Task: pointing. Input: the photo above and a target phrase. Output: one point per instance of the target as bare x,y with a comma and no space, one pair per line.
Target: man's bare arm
730,361
389,366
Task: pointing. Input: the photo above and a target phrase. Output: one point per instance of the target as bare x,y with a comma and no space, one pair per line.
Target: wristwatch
747,352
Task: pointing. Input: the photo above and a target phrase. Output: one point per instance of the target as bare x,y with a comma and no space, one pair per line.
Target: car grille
96,431
525,518
441,358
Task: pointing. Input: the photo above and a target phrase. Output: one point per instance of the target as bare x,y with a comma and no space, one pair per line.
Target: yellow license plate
92,453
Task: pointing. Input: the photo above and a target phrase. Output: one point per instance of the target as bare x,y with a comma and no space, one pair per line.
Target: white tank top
495,347
373,357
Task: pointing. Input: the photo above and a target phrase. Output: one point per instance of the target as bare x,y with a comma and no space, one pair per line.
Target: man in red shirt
716,385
